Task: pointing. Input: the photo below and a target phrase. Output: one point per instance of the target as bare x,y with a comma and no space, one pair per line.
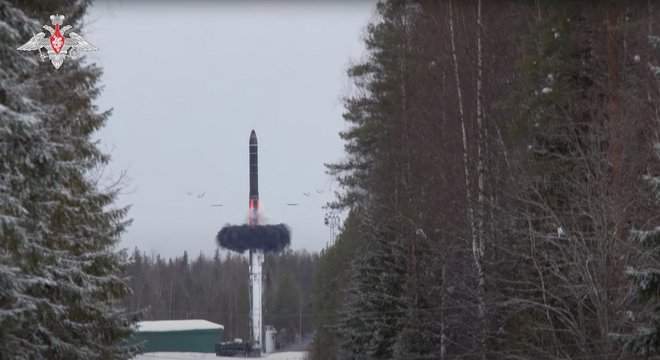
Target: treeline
501,185
217,289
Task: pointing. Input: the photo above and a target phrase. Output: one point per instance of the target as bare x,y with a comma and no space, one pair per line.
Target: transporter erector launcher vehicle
257,239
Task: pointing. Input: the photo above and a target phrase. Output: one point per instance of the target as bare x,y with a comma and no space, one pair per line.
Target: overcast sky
188,83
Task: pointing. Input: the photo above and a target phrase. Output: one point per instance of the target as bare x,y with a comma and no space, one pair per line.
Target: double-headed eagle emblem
57,46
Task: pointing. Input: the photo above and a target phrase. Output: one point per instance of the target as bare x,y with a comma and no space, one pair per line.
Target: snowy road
297,355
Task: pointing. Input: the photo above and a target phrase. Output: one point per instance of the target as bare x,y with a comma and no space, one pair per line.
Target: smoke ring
267,238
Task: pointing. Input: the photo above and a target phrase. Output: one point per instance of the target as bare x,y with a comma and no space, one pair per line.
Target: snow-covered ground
293,355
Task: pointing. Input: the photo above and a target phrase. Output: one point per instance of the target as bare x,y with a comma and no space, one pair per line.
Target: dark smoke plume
268,238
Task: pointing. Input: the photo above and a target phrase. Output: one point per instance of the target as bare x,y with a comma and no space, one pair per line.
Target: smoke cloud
268,238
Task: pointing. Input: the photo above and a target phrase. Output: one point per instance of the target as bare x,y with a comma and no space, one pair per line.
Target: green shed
178,335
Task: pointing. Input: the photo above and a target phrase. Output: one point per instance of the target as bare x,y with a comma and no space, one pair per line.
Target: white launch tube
256,262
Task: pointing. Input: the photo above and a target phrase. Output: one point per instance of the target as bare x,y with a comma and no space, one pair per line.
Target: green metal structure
178,336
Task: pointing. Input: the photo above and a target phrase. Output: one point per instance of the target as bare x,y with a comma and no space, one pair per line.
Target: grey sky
187,85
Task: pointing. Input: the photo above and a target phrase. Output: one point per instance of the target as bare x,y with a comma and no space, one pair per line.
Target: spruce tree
645,341
421,327
331,281
59,226
370,321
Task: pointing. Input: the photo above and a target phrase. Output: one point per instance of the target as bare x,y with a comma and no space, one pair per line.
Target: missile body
256,256
254,180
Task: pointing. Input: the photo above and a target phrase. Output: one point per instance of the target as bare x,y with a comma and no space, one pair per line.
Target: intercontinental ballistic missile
254,179
254,236
256,239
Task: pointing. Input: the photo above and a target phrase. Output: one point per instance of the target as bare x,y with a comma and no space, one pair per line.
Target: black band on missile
267,238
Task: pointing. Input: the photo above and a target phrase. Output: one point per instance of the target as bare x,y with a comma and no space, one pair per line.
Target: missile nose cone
253,137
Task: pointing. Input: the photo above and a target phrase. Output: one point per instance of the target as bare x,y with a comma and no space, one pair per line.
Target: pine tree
374,111
59,226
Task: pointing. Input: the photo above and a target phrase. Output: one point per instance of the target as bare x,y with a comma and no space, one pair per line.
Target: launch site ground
291,355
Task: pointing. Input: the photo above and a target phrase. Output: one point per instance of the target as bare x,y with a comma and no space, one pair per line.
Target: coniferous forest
60,270
216,288
501,184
